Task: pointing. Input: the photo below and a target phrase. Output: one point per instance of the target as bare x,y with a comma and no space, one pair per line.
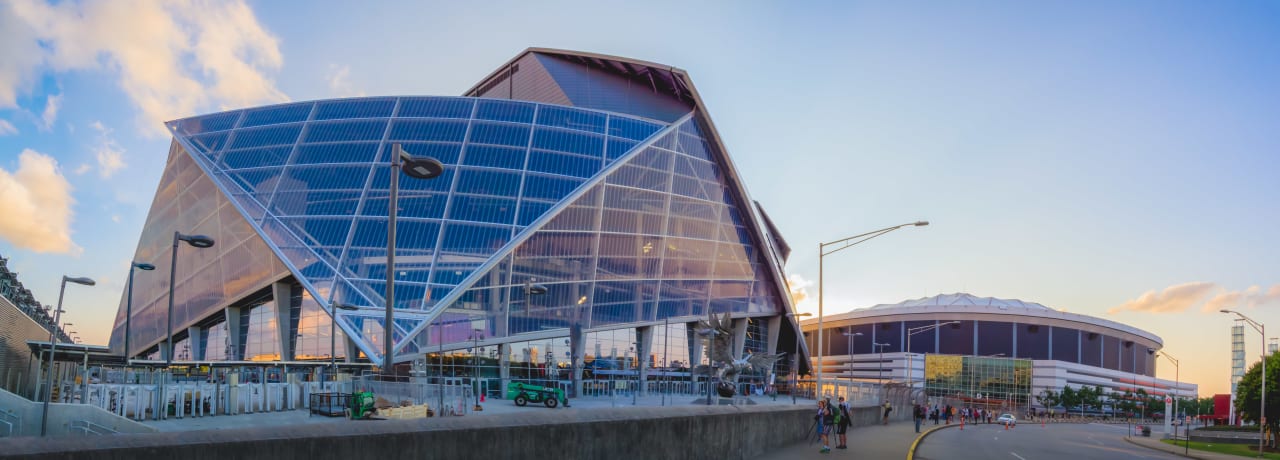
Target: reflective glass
276,115
354,108
995,337
1091,348
1066,345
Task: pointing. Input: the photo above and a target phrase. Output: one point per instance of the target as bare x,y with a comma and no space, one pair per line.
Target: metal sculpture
717,334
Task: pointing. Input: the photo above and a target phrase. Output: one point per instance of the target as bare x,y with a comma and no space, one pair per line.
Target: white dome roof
962,299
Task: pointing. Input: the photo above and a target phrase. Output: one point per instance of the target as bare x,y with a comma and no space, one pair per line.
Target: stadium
997,351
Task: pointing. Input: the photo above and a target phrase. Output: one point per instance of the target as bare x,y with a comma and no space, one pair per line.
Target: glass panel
520,112
362,108
255,158
483,209
276,115
995,338
495,157
346,131
1033,341
576,119
1091,349
569,141
428,130
436,107
362,152
1111,353
488,182
1066,345
268,136
500,134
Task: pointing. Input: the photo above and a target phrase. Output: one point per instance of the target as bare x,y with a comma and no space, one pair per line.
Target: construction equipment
524,393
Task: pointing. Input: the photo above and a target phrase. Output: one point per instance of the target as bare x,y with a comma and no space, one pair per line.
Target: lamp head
535,289
198,241
345,306
921,223
1225,311
142,266
81,280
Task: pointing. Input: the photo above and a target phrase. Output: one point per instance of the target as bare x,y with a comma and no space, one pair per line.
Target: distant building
22,319
1002,349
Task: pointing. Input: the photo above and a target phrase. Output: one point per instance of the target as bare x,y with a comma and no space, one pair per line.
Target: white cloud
1173,299
1252,297
50,113
83,168
7,128
115,218
339,79
172,58
37,203
799,288
109,154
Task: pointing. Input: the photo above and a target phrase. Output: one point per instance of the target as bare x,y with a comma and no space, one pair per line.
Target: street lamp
53,345
911,370
795,362
333,335
1262,410
128,309
849,346
196,241
710,335
417,167
476,336
844,243
880,374
1176,384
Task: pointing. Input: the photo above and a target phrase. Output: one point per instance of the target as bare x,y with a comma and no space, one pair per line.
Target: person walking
919,416
887,410
843,422
823,422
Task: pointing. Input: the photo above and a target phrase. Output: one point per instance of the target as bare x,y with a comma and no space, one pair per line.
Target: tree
1069,398
1048,398
1248,392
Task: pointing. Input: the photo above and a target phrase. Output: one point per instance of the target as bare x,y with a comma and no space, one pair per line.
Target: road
1067,441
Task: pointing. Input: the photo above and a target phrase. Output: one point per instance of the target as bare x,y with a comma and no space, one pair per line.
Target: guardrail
87,428
12,422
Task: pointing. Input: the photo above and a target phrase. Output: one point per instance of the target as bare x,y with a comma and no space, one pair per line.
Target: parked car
1007,419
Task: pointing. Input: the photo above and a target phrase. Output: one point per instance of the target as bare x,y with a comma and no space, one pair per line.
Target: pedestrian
946,415
822,422
843,422
934,414
919,416
887,410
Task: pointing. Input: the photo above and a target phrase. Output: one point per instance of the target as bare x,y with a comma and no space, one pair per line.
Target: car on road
1007,419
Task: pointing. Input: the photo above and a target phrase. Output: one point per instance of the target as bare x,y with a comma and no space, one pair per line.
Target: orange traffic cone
962,424
1006,426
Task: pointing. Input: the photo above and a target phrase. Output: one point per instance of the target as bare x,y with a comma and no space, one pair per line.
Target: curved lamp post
849,342
795,362
1177,383
417,167
128,312
880,374
843,244
1262,409
53,345
195,241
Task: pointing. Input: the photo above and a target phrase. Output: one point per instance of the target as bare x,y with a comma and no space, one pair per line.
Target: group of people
833,418
945,414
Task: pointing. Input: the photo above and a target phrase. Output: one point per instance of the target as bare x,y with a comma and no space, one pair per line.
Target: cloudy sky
1115,160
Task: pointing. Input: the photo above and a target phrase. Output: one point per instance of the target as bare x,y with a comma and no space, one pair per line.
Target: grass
1243,450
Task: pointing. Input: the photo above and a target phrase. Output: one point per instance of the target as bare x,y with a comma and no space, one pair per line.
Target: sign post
1168,415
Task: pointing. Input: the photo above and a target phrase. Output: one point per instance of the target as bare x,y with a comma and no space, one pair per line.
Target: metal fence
86,428
11,421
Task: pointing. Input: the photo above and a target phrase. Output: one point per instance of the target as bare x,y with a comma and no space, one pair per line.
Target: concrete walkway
876,441
1155,444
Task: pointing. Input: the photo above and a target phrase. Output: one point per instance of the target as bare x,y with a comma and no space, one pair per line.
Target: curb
911,453
1171,451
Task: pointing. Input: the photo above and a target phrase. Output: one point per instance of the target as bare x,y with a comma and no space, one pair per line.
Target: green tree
1069,398
1248,393
1048,398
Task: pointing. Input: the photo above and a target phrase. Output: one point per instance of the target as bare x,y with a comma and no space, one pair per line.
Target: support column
739,337
774,325
577,339
193,340
504,369
644,343
281,293
232,315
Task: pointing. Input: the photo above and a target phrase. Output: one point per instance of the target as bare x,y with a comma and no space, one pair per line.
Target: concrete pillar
193,340
233,333
644,344
576,341
739,337
281,292
504,369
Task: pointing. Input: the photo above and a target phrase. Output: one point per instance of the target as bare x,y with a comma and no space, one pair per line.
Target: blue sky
1111,159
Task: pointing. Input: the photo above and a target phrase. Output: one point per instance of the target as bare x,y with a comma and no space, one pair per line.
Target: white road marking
1015,454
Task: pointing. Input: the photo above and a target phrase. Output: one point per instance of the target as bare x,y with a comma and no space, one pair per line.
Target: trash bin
1146,431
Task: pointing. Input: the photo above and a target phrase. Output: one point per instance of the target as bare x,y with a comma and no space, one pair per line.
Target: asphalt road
1031,442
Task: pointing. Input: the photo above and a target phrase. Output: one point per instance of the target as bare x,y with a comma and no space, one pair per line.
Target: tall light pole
417,167
843,244
1262,409
53,345
128,309
880,375
849,342
911,370
795,361
333,336
1177,383
195,241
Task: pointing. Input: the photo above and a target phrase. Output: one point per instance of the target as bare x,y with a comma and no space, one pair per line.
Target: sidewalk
1155,444
875,441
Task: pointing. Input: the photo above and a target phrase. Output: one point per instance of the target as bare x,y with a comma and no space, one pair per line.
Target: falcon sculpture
718,338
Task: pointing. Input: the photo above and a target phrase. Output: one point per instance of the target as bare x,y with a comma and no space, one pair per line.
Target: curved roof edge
963,303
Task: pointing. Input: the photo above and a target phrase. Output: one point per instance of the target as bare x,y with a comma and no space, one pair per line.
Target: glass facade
625,221
984,382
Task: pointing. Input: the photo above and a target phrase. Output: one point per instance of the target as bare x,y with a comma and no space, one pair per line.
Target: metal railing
12,422
87,428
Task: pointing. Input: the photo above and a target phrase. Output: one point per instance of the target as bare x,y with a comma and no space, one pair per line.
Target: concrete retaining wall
687,432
